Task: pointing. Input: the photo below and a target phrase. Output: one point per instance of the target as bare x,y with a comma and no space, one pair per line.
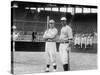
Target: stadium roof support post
82,10
36,9
90,10
59,9
66,9
73,11
23,28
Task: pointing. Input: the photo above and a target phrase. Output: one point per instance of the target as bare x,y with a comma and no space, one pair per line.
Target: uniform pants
64,55
50,50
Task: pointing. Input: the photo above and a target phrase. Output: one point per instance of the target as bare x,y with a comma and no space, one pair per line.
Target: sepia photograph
53,37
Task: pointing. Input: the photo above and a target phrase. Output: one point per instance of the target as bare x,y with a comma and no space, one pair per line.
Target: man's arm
70,36
45,36
53,34
50,36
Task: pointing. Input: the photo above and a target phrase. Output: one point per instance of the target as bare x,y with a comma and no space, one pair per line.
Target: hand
49,40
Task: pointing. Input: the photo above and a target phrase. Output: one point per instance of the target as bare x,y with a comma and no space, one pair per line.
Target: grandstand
26,20
86,23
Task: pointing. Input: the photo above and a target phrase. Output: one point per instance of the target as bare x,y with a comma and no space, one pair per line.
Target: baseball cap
14,27
51,21
63,18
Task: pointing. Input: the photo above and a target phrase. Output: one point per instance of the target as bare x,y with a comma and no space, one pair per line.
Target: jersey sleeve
50,34
53,33
70,34
45,35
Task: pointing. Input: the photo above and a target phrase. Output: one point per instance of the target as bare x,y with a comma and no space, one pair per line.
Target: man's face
63,22
51,24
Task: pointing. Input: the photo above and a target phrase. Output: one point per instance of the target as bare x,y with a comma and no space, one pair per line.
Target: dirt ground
35,62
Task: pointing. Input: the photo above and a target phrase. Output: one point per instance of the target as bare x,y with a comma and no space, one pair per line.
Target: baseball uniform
50,46
66,33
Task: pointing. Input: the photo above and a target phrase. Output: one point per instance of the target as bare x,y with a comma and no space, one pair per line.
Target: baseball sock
47,67
54,67
65,67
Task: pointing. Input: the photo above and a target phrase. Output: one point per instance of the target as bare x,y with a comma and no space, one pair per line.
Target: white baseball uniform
50,47
15,36
91,40
87,41
77,40
66,33
83,41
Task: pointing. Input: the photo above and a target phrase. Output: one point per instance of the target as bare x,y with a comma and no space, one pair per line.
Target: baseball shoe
54,70
47,70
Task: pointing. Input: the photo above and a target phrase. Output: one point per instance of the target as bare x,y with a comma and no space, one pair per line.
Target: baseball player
15,36
50,46
83,41
33,36
64,47
91,40
87,40
77,40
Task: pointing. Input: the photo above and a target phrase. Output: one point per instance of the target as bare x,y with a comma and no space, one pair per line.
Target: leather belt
64,42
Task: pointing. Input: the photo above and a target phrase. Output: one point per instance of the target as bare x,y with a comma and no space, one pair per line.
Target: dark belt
64,42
